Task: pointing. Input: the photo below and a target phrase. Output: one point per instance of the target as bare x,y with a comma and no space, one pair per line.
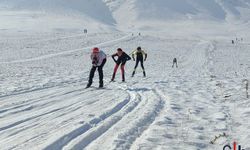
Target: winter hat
119,49
139,48
95,50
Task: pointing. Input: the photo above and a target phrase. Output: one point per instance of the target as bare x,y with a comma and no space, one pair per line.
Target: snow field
172,108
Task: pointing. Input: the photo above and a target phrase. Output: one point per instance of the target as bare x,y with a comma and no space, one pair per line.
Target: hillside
100,14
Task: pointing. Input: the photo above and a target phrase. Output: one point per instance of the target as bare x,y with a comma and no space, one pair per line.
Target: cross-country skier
139,58
98,58
175,63
121,60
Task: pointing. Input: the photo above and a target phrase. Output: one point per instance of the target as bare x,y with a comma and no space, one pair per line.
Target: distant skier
85,31
99,59
139,58
175,63
121,60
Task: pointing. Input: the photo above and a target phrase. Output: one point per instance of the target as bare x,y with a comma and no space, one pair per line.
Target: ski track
56,113
87,126
68,51
43,87
129,115
143,123
99,125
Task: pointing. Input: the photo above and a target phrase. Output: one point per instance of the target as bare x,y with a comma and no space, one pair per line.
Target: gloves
144,59
116,62
94,61
133,59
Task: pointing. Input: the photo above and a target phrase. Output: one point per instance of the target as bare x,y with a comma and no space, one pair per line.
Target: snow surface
45,62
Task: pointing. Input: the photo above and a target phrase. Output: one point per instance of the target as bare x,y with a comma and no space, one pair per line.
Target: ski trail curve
97,122
62,108
68,52
122,130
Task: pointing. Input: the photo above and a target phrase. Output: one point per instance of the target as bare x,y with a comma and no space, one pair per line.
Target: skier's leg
91,76
174,64
136,64
115,69
100,71
142,66
123,72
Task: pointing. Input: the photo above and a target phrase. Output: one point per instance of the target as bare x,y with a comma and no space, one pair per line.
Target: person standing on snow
99,59
122,59
175,63
139,58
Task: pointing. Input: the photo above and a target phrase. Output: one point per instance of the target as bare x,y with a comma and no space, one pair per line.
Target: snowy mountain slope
55,14
128,14
44,104
134,12
95,9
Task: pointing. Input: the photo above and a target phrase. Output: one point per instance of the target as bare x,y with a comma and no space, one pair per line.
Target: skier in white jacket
99,59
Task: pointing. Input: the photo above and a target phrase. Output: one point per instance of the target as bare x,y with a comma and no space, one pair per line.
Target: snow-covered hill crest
126,14
185,9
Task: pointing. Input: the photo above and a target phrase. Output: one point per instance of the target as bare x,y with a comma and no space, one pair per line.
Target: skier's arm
92,59
95,60
133,55
127,57
113,57
146,55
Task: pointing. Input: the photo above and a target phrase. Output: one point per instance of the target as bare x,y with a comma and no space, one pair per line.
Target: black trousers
142,66
100,71
137,62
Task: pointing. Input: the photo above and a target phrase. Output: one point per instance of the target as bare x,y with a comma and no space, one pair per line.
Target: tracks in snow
68,51
47,115
128,118
123,127
62,141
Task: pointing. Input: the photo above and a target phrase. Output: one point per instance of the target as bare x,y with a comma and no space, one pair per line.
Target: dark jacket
121,59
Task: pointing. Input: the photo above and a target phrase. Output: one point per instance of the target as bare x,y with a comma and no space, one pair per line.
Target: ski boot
101,84
133,74
144,74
